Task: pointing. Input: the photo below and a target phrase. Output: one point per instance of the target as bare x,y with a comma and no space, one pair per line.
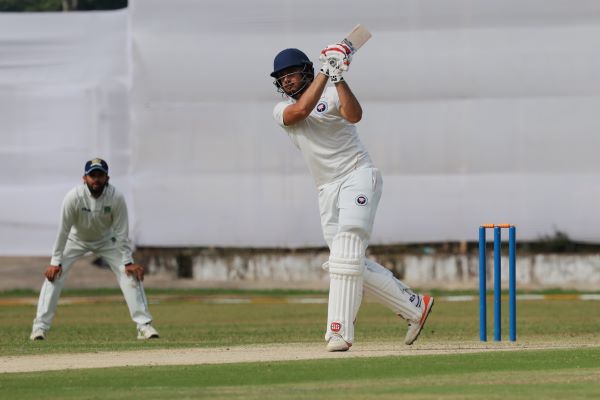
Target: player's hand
136,271
335,75
337,56
53,272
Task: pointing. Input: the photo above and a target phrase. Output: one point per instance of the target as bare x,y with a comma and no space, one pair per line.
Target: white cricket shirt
92,222
329,144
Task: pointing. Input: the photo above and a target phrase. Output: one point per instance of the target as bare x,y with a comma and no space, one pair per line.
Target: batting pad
380,283
346,267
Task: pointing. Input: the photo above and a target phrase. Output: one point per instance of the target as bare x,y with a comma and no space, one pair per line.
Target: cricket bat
357,38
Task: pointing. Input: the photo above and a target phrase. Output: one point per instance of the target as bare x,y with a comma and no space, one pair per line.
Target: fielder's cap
96,164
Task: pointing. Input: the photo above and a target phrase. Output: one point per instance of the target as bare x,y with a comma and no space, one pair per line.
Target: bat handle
349,44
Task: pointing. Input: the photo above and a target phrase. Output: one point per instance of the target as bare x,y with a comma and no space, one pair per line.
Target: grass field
187,320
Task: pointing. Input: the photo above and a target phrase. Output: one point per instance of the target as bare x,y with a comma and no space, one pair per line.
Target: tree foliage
60,5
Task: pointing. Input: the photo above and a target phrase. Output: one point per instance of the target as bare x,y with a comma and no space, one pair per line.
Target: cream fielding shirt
93,222
329,144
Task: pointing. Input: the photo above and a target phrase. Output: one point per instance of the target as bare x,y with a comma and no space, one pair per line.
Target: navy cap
96,164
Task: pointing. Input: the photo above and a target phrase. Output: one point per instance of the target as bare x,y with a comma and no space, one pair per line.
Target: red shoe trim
426,300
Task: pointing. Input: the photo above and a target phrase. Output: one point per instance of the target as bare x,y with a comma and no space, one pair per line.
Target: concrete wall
302,268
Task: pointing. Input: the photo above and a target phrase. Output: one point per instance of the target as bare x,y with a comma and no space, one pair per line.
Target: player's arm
338,58
67,219
349,106
121,232
301,109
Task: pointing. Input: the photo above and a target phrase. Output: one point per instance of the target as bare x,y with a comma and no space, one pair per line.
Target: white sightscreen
64,98
475,111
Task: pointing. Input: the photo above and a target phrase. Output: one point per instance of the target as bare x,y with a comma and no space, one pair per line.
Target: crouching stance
320,122
94,219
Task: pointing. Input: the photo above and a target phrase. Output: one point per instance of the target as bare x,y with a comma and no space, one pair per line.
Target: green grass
19,293
557,374
105,326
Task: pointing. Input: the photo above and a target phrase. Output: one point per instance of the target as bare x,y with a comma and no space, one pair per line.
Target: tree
60,5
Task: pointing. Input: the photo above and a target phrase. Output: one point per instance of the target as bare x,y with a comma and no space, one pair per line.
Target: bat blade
357,38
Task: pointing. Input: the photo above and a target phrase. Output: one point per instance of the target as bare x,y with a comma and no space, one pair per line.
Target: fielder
94,219
320,122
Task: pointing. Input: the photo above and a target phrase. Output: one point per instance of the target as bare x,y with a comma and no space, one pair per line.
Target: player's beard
305,82
98,190
297,93
307,78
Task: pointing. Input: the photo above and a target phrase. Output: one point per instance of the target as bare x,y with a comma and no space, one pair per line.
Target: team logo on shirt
107,209
322,106
361,200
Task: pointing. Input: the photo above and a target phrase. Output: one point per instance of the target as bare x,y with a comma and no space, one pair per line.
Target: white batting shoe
147,332
337,343
37,334
415,327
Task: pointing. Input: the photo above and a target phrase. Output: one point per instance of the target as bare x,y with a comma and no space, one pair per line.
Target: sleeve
278,113
121,230
67,219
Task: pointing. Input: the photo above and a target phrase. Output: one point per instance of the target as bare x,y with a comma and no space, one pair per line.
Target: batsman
320,120
94,219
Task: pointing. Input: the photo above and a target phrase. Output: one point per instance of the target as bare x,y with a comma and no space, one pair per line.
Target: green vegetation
60,5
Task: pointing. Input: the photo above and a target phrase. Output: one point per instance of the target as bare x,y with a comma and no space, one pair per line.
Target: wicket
512,296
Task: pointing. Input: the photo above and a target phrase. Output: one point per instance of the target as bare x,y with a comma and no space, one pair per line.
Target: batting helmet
289,58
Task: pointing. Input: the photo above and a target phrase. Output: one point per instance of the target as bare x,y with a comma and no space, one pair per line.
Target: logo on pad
416,300
336,327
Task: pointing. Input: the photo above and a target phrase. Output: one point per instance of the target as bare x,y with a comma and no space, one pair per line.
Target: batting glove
337,56
335,76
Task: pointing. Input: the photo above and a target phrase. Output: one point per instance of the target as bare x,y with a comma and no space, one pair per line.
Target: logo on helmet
361,200
322,107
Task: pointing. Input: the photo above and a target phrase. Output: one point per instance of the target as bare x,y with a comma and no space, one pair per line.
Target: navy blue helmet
289,58
292,58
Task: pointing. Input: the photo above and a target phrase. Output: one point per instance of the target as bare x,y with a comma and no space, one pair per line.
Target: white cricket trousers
350,205
132,289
